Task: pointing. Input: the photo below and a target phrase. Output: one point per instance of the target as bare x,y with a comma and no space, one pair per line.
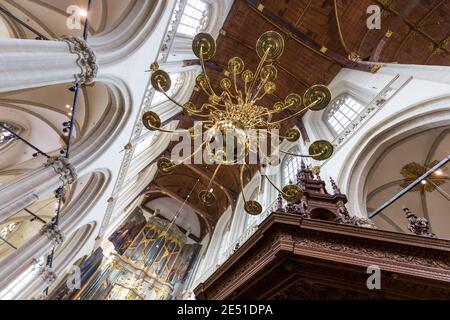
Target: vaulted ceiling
319,37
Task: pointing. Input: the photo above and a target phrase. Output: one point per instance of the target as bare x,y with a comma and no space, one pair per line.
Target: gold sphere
270,87
225,84
319,93
272,41
253,207
236,65
278,106
151,121
161,81
165,165
247,76
322,150
201,81
204,46
269,72
292,193
294,101
292,135
207,197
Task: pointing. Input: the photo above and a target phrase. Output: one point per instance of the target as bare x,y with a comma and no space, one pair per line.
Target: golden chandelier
236,109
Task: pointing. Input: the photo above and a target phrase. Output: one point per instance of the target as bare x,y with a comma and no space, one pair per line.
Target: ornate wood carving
290,257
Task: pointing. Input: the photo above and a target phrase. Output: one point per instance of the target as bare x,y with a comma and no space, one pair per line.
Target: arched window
177,82
342,112
290,166
194,18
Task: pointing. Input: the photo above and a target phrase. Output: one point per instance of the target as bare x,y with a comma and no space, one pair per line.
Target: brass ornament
161,81
293,101
225,84
207,197
236,65
165,165
321,149
272,41
270,87
319,93
278,106
213,99
292,193
154,66
292,135
201,81
151,120
204,46
269,73
253,207
247,76
191,108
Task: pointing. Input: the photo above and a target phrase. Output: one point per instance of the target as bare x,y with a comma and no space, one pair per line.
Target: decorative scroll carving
266,263
53,233
62,167
87,60
418,226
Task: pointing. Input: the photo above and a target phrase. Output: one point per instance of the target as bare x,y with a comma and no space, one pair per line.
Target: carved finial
279,202
303,165
418,226
335,187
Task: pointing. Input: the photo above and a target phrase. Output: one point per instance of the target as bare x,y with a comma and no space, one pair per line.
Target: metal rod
36,216
77,86
72,119
24,141
70,134
8,243
410,187
440,190
9,14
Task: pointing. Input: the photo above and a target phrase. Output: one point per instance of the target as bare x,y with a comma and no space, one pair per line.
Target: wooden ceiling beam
277,64
410,24
305,40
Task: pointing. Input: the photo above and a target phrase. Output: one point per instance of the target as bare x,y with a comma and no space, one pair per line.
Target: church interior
224,149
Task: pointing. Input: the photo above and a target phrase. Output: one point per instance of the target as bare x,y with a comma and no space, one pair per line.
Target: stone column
28,64
22,192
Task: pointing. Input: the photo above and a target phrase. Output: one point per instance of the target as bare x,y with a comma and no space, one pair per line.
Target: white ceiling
384,181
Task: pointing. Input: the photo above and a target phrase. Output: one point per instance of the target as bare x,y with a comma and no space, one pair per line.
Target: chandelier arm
238,92
297,113
204,71
302,155
188,157
242,182
261,85
273,185
167,96
258,70
213,177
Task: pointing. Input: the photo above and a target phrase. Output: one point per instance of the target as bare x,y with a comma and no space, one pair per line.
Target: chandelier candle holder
235,110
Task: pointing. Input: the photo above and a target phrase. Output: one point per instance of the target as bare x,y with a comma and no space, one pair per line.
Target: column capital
87,60
61,165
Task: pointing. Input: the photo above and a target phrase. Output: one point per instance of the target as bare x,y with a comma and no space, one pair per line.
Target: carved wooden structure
290,257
